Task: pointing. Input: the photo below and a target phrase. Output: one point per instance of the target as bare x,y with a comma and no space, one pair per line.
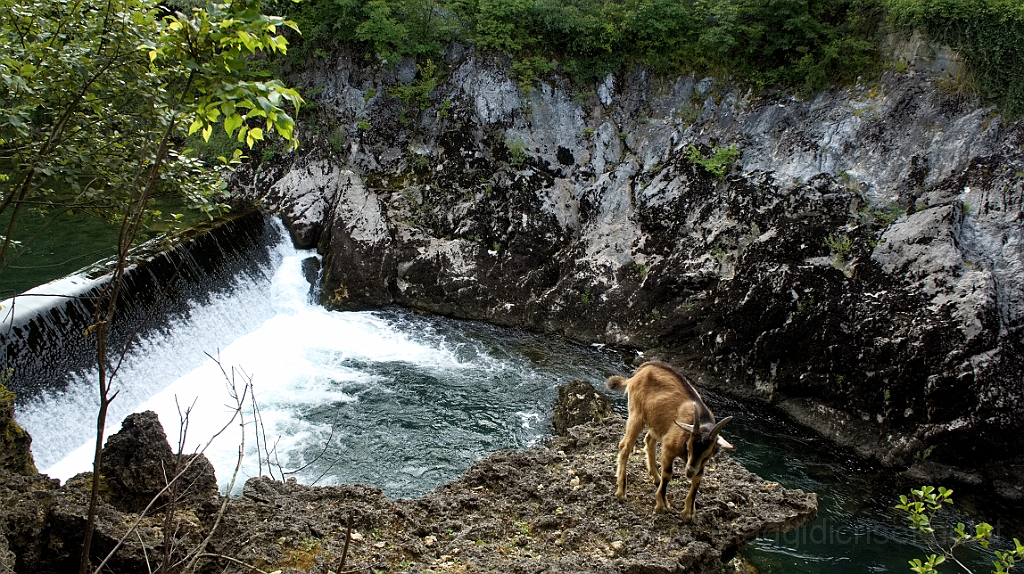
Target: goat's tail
615,383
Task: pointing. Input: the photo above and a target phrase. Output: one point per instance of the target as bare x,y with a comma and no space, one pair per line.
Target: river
406,402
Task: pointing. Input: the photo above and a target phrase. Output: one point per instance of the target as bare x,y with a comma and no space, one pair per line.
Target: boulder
137,463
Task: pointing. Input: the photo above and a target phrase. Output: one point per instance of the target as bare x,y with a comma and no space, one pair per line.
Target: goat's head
703,442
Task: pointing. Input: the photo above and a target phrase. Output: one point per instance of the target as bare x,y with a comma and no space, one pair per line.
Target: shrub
718,163
923,508
988,33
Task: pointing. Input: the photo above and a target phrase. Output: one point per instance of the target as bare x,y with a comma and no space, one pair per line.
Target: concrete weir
43,331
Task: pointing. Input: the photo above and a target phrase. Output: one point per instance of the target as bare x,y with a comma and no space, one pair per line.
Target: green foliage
93,95
718,163
390,29
805,44
923,507
516,151
416,96
801,44
219,145
337,141
988,33
640,269
885,216
528,69
839,244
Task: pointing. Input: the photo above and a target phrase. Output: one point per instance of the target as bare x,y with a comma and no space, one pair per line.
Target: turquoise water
406,402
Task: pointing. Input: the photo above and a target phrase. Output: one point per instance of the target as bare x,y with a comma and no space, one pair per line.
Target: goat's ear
725,444
687,428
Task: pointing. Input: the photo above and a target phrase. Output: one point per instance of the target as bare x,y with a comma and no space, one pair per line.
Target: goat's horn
718,427
725,444
685,427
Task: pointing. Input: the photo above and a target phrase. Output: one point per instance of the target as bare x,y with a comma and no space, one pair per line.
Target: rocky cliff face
860,264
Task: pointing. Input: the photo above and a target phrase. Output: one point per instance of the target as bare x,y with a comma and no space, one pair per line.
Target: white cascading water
354,391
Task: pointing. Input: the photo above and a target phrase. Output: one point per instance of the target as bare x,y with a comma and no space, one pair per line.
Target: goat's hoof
620,495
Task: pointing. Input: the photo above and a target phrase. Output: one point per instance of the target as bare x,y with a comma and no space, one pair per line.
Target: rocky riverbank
856,259
550,508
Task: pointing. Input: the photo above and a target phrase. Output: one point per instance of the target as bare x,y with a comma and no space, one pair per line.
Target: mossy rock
15,443
578,403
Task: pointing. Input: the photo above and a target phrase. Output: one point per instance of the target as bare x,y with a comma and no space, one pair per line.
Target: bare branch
239,402
232,560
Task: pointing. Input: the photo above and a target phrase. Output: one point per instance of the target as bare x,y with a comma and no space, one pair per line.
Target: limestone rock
551,505
861,260
137,464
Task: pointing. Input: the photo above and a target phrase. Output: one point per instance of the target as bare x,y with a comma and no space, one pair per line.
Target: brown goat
669,406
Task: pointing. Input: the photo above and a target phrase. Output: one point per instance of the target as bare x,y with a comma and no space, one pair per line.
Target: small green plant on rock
516,151
527,70
416,96
718,163
585,297
337,140
641,270
922,507
840,245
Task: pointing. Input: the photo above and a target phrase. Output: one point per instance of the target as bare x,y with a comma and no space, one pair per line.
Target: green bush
800,45
989,34
718,163
923,508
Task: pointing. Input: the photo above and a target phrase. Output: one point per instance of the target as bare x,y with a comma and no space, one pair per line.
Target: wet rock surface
15,443
550,508
860,265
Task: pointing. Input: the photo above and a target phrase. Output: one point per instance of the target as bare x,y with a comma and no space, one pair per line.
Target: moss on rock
15,455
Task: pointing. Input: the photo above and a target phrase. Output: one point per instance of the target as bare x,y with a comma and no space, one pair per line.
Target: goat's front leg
691,497
661,502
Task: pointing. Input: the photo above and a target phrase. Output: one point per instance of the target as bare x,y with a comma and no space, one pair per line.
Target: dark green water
858,529
58,244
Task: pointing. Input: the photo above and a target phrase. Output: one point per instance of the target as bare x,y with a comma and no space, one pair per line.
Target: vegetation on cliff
802,45
988,33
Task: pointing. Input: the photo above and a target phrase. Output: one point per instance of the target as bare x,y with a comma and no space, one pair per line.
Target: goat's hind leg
651,448
633,428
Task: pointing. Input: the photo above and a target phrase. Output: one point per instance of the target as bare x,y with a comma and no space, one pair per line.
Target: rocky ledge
549,508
